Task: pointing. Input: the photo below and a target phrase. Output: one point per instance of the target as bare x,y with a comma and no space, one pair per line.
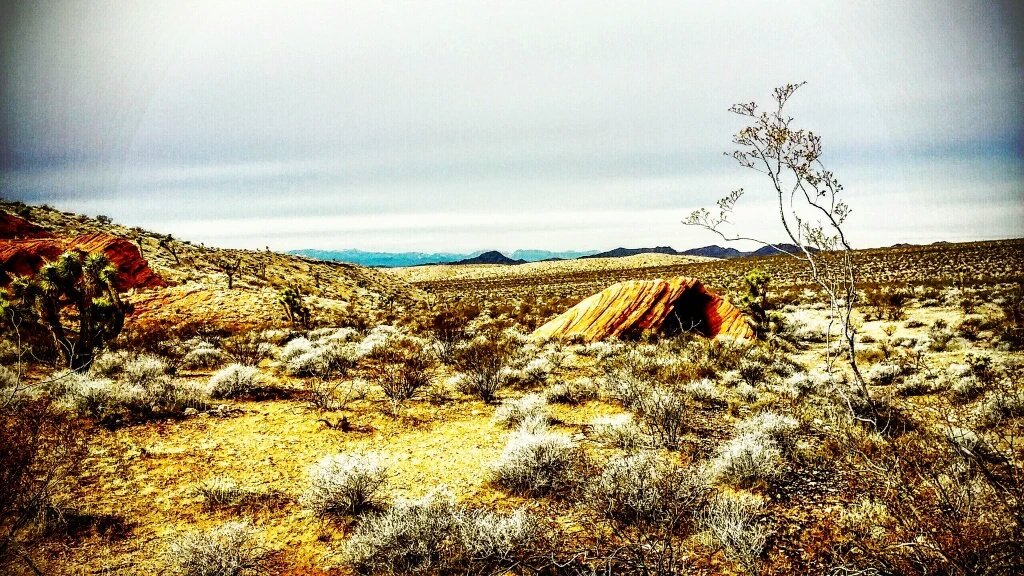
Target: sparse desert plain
263,413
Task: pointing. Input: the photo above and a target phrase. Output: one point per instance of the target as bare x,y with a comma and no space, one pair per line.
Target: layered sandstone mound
25,248
670,306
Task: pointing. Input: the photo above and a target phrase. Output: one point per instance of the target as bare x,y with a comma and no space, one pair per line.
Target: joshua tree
755,300
166,243
230,268
294,308
810,209
75,299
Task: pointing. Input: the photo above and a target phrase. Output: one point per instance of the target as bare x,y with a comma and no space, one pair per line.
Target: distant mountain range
398,259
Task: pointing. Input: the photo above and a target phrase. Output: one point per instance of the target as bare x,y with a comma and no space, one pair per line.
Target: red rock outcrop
628,308
13,227
27,256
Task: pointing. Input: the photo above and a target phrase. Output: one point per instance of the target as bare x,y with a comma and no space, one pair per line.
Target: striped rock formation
25,248
670,306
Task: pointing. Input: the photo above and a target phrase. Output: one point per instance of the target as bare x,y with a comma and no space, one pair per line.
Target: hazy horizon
460,126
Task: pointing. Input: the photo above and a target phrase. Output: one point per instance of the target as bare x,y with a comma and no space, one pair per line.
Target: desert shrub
400,366
144,370
449,326
226,491
731,521
663,416
967,388
109,364
489,538
746,460
574,392
321,358
1000,405
536,464
411,536
627,389
432,535
483,360
8,378
620,431
237,381
345,484
753,371
116,402
883,373
779,428
202,354
643,488
231,549
939,336
248,349
704,391
40,451
981,366
529,409
326,394
887,303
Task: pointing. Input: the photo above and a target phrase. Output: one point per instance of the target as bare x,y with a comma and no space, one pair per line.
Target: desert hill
197,276
492,257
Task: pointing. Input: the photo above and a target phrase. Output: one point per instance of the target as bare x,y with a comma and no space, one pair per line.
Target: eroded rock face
670,306
14,228
25,248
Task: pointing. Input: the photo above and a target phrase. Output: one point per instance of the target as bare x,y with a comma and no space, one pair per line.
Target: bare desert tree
810,209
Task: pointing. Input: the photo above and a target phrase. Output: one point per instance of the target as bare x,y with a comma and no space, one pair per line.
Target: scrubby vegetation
319,447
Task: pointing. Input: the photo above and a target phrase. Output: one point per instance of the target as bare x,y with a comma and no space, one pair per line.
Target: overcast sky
476,125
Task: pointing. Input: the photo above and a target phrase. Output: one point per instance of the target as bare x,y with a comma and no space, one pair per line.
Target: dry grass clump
143,394
222,491
400,365
644,488
530,411
732,523
620,431
231,549
756,453
535,464
432,535
573,392
320,358
202,354
237,381
484,361
345,484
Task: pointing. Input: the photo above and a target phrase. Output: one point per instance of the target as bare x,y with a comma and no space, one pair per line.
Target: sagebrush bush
574,392
410,537
883,373
643,487
204,354
746,460
484,361
8,378
620,431
400,366
231,549
703,391
663,416
497,539
322,358
109,364
237,381
732,523
531,408
778,428
536,464
345,484
114,402
432,535
144,370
